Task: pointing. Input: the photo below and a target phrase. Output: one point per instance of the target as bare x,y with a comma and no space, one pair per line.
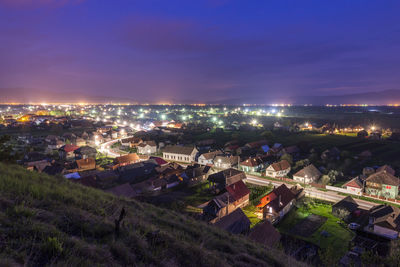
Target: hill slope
47,220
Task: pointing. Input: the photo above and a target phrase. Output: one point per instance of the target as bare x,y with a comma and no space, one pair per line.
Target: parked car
354,226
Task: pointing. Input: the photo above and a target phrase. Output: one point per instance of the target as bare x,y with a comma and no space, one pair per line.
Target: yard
250,210
332,234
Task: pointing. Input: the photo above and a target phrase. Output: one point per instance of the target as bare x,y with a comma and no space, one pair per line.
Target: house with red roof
236,196
354,186
240,193
278,169
277,204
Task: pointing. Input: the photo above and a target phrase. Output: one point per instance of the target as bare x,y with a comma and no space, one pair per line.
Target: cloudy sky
198,51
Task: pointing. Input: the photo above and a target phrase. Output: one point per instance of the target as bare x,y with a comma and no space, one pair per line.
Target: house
195,174
208,158
67,152
159,161
86,164
240,194
265,233
257,144
226,177
382,184
277,204
292,150
252,165
55,144
85,152
307,175
37,165
235,223
354,186
387,169
147,148
136,172
54,169
384,220
80,141
125,160
180,153
278,169
69,137
362,134
236,196
123,190
226,162
344,208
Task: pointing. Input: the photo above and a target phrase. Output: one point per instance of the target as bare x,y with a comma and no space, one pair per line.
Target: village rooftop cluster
250,170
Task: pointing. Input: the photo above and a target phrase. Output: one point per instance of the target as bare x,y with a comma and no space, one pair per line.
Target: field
335,235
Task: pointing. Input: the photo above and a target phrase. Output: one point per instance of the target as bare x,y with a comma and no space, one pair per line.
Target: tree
300,164
325,179
287,157
334,175
342,214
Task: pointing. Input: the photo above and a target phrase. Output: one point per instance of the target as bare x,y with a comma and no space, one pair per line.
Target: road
310,192
105,148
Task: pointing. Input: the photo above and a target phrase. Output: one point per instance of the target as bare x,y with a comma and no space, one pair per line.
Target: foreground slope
47,220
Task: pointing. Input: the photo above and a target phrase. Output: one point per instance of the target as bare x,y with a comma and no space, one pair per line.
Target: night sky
198,51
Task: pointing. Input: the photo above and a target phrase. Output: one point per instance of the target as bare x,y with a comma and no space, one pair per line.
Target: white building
147,148
180,153
208,158
307,175
278,169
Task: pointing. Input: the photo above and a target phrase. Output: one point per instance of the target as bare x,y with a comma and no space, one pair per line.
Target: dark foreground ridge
46,220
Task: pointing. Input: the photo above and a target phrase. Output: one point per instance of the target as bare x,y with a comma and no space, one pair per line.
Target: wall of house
272,173
387,191
303,180
147,150
353,190
177,157
204,161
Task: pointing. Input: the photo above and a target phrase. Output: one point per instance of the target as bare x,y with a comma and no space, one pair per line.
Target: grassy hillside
47,220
